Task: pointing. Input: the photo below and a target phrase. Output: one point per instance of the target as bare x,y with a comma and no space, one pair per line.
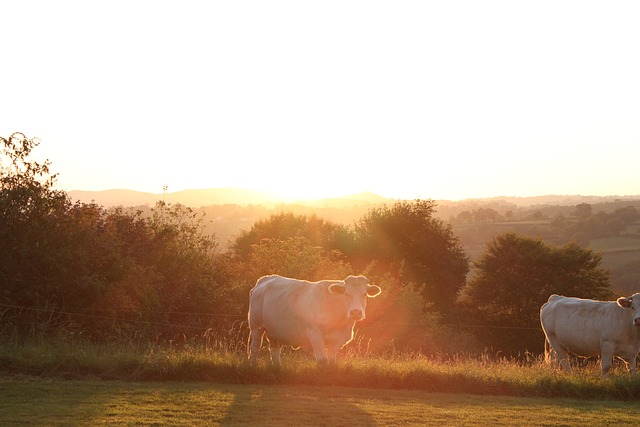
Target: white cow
586,327
319,315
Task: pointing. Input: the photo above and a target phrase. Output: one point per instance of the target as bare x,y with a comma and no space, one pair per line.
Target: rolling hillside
214,196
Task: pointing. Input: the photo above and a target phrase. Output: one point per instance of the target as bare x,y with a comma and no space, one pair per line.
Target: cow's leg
559,355
563,359
274,350
630,361
631,364
550,355
317,343
255,342
332,350
552,359
606,357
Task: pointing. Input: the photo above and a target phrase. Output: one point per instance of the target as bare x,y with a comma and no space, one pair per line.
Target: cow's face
356,290
632,302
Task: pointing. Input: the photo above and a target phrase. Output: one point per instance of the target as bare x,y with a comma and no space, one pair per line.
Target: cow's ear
625,302
373,290
337,288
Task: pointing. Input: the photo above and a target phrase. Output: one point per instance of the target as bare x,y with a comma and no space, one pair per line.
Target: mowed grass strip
58,402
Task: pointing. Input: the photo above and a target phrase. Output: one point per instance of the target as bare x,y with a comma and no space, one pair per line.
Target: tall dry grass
212,359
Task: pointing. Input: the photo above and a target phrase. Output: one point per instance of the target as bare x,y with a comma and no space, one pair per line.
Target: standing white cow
590,328
301,313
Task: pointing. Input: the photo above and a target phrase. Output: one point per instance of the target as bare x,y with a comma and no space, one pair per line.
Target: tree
537,216
485,215
294,257
583,210
30,212
465,217
406,239
558,222
100,266
628,215
304,247
283,226
516,275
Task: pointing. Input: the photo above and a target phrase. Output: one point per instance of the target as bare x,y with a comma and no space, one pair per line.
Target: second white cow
320,315
586,327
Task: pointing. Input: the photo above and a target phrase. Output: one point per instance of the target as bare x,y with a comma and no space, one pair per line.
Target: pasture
615,244
59,402
73,382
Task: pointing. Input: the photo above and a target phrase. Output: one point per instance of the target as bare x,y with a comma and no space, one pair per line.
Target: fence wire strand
230,316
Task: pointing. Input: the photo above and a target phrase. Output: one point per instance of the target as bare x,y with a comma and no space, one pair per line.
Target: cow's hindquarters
558,354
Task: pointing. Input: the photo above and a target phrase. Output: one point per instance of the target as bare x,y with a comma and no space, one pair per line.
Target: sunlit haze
411,99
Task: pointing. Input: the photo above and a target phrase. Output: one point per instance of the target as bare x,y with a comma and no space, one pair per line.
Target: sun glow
406,100
308,190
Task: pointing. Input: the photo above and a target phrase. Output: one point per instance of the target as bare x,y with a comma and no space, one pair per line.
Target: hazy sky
431,99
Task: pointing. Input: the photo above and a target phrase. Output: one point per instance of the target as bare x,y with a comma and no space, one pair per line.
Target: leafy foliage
408,240
284,226
157,272
515,276
290,245
30,213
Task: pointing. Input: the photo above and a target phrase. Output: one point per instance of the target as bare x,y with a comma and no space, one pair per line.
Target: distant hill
244,197
215,196
109,198
556,200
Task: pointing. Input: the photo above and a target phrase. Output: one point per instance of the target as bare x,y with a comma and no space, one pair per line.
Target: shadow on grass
276,405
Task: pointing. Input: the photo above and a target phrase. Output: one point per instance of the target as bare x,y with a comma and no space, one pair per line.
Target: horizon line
280,196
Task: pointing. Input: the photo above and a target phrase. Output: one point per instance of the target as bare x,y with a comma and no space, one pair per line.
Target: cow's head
356,289
632,302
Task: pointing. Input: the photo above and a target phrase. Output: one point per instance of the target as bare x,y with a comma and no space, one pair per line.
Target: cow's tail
547,351
249,346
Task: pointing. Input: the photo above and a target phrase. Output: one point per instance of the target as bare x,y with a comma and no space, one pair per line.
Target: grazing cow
319,315
586,327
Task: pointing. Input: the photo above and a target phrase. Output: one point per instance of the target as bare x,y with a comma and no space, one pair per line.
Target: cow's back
580,325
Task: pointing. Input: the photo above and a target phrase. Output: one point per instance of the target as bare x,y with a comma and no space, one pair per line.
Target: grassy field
615,244
480,374
73,382
58,402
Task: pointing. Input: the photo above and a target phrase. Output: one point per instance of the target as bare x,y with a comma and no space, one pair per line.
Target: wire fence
75,312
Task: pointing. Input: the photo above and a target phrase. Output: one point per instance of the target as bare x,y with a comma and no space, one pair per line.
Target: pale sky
407,99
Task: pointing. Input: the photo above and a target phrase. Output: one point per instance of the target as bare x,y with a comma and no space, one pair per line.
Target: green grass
72,382
483,375
59,402
615,244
